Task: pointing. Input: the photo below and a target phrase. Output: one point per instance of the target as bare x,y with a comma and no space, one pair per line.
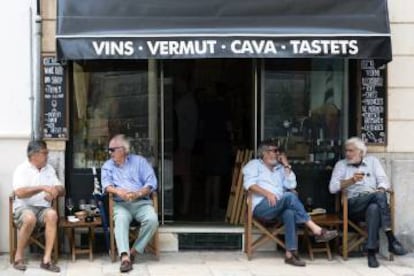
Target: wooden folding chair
37,237
268,230
152,247
350,243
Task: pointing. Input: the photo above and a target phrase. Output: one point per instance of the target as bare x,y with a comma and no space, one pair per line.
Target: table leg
70,232
91,241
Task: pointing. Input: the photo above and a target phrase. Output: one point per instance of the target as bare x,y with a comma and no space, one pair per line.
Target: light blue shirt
374,178
133,175
276,181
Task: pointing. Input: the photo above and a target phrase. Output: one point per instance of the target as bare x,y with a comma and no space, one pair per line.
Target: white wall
400,77
14,103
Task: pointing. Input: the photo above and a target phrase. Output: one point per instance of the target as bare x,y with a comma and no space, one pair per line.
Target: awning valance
142,29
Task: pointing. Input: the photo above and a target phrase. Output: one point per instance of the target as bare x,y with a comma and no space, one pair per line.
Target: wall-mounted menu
373,97
55,121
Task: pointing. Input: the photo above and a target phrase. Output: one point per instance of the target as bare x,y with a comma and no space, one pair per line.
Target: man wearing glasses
271,179
131,179
35,185
364,179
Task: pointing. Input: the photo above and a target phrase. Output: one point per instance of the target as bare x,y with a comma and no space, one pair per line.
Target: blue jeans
289,210
124,213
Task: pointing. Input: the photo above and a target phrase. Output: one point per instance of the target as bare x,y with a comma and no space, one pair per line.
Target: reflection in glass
303,108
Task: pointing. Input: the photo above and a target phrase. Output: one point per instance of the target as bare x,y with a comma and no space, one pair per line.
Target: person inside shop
186,114
272,180
217,134
35,186
131,179
362,177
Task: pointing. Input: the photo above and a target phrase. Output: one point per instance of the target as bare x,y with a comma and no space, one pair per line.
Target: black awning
141,29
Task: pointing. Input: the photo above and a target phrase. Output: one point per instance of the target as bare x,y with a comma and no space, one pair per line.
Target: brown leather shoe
326,235
295,261
126,266
49,266
19,265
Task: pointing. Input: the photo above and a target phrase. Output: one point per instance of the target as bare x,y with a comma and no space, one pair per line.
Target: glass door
208,111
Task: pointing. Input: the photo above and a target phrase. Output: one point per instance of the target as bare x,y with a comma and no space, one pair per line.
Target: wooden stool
329,221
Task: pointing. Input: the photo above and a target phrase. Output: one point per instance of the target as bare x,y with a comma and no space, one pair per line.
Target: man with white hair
362,177
131,179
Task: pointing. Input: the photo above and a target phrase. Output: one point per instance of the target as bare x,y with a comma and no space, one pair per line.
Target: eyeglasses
274,150
111,150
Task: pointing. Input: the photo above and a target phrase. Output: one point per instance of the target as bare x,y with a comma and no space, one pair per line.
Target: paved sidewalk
217,263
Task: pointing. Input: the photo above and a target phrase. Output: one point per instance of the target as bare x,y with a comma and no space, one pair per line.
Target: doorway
208,115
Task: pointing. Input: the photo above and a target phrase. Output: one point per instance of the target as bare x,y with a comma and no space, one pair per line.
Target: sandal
126,266
19,265
49,266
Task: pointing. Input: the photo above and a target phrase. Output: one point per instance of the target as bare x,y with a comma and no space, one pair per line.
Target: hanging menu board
373,112
54,100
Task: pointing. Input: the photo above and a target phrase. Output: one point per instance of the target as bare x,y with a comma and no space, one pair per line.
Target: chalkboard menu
373,111
54,100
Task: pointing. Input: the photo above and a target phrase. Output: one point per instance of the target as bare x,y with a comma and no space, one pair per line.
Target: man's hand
49,197
271,199
358,176
282,159
381,190
51,192
123,194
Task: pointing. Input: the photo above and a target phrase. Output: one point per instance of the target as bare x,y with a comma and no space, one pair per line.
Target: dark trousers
374,210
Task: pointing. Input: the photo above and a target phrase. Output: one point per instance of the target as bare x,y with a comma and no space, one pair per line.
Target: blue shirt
374,178
276,181
133,175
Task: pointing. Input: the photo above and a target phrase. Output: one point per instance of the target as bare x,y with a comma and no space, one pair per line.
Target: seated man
269,178
35,185
131,179
363,179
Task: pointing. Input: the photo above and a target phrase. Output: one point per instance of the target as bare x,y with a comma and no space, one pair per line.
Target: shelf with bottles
325,151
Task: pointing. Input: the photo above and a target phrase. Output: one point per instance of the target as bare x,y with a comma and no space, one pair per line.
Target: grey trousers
374,210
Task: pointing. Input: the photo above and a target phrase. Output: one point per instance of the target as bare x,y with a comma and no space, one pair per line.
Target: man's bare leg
316,229
51,219
24,233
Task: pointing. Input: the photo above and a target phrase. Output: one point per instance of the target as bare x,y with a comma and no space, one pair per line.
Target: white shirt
26,175
374,178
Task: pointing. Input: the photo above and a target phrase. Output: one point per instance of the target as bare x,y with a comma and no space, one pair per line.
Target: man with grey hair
131,179
363,179
35,185
270,178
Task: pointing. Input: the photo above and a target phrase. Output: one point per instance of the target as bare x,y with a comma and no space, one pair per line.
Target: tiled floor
217,263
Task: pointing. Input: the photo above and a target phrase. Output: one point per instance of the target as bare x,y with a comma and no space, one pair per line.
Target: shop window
108,99
303,107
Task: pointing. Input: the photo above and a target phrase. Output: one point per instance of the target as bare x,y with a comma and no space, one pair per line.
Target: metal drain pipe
35,48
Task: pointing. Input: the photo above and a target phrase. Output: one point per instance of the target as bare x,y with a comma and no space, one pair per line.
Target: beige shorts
38,212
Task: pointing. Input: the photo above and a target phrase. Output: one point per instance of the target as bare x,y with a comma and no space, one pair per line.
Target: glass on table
69,204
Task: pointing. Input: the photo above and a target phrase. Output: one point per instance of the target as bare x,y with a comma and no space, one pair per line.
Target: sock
390,236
